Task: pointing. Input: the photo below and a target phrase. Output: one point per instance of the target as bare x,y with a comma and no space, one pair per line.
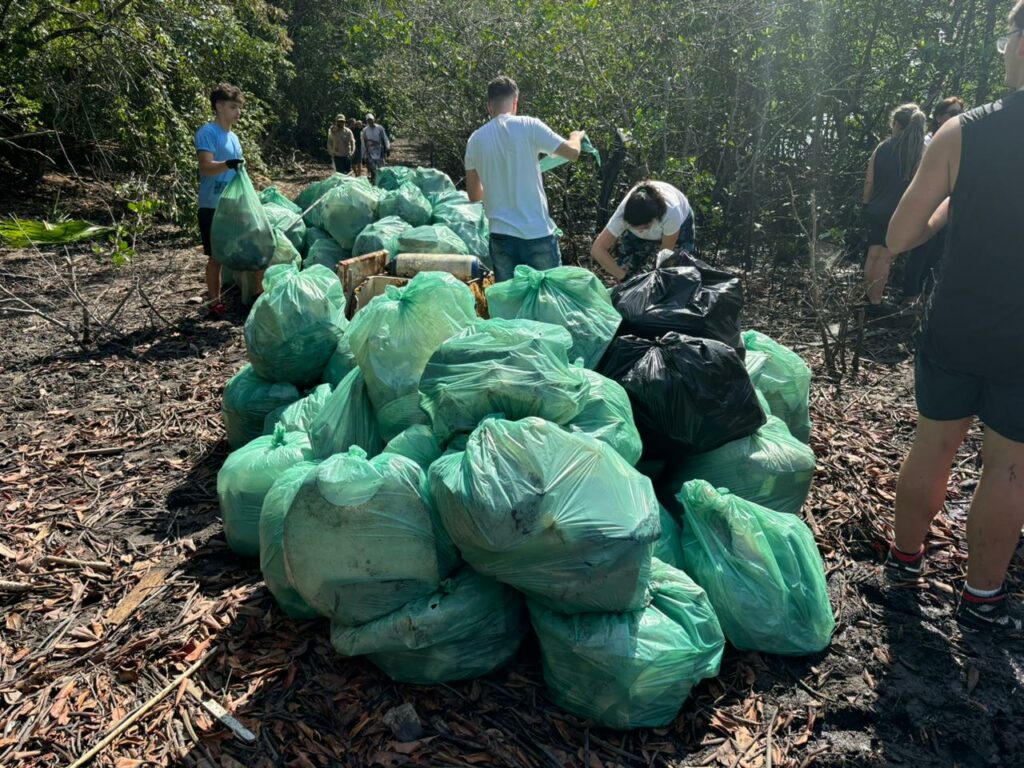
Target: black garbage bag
687,393
692,298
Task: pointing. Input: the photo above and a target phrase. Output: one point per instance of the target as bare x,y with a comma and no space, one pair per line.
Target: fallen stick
215,709
19,586
127,722
96,565
108,451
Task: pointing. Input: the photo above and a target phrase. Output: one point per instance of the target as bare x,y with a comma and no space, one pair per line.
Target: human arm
601,252
570,148
474,187
924,208
669,241
351,142
869,179
210,167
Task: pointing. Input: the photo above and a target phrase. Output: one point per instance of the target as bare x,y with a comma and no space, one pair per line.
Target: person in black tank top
970,361
890,170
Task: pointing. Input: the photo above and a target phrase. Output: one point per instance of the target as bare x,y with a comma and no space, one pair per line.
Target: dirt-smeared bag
761,570
469,627
784,379
241,236
431,238
632,670
514,367
294,326
346,419
407,203
559,516
607,416
687,393
769,467
245,478
395,334
348,209
361,538
692,298
275,507
382,235
248,400
571,297
298,417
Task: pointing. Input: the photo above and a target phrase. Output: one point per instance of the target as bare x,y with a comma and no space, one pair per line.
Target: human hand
233,163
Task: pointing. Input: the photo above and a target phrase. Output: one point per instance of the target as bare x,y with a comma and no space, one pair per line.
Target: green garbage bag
241,236
247,401
571,297
514,367
248,285
394,176
469,627
784,379
559,516
761,570
550,162
341,364
770,467
468,222
326,253
432,181
395,334
273,195
607,416
407,203
669,547
451,196
293,227
418,443
382,235
315,191
245,478
294,326
312,235
632,670
348,209
361,538
431,238
298,417
346,419
275,506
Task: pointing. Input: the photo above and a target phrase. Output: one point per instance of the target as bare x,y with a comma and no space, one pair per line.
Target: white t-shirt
503,152
677,210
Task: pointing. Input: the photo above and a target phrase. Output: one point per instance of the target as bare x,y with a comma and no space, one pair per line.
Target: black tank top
975,323
888,185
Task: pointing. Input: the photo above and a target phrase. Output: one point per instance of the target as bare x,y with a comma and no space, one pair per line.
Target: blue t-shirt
224,146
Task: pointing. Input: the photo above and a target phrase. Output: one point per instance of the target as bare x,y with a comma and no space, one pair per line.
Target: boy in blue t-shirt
219,155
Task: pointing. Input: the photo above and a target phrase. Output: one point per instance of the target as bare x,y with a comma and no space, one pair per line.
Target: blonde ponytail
910,141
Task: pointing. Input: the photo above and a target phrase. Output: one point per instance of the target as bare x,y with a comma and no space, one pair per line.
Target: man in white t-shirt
654,216
502,170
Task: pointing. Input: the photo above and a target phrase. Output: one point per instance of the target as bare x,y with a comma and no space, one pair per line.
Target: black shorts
205,223
944,395
343,164
877,226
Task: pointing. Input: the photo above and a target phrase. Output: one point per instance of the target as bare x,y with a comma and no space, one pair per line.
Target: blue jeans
508,252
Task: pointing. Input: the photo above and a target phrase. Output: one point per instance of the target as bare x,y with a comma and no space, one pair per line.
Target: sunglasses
1004,42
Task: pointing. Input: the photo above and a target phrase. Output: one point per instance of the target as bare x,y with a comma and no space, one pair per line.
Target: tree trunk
985,57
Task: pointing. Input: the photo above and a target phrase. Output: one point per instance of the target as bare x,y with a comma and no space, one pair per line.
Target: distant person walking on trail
502,170
890,170
342,145
923,262
219,153
654,216
970,361
376,145
356,126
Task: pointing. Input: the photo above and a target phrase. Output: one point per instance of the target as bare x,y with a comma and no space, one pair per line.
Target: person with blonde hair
892,166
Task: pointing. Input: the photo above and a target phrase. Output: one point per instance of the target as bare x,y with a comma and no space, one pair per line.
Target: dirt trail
108,458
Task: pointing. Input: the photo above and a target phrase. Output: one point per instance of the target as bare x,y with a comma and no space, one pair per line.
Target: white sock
983,592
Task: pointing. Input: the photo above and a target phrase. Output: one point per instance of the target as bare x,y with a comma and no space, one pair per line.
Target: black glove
233,163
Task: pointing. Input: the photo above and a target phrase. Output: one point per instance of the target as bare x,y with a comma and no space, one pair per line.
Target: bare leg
213,279
921,490
876,272
997,512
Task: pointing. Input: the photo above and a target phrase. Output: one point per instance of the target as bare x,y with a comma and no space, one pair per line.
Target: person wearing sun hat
341,145
376,145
